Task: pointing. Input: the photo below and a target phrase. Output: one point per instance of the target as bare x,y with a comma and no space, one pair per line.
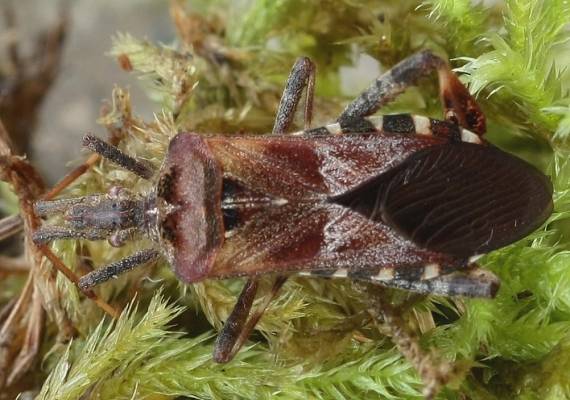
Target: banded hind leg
240,324
460,110
470,281
459,106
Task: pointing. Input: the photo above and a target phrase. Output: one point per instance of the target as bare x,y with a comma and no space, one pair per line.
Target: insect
404,201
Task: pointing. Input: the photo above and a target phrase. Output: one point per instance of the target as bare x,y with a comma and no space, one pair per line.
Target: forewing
303,168
322,238
464,199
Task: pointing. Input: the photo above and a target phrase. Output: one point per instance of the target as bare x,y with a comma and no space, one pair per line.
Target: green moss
316,340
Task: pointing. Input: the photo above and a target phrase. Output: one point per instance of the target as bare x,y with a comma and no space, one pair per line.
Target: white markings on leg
230,233
385,274
377,121
470,137
340,273
330,129
431,271
334,129
474,258
422,125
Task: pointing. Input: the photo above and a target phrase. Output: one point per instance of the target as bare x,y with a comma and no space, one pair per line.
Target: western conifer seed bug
404,201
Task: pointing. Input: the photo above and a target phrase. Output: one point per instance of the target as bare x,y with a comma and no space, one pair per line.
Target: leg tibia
459,105
302,75
238,327
112,153
472,282
235,323
109,271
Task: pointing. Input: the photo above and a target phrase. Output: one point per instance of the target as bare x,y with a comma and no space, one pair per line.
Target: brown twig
10,226
20,335
14,265
28,80
71,177
13,330
433,371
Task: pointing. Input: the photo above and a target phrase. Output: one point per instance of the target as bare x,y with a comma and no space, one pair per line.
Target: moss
226,75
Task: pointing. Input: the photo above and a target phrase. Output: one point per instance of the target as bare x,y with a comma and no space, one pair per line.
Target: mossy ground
224,73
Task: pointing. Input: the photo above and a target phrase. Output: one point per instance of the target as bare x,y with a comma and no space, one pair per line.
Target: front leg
117,268
302,75
112,153
459,106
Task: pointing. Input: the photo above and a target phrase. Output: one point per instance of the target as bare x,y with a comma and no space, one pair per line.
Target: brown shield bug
404,201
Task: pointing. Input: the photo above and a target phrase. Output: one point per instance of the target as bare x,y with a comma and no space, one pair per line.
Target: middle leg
302,75
240,324
238,327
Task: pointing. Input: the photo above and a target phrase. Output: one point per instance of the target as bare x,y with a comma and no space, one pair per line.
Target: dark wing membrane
323,237
301,168
462,199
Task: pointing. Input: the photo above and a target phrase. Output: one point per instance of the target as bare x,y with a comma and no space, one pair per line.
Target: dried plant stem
435,373
11,331
10,226
14,265
20,335
71,177
69,274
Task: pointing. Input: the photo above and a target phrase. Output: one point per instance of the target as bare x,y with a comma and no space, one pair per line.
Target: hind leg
459,106
470,281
